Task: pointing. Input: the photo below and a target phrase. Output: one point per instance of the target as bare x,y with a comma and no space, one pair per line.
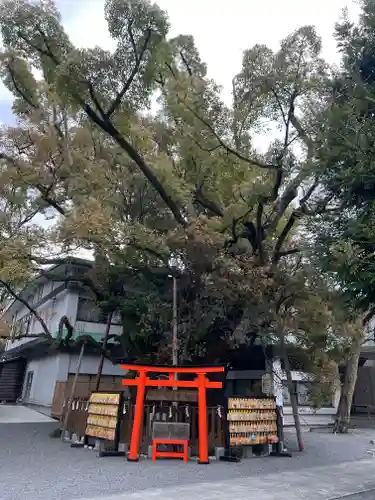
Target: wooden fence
85,385
158,412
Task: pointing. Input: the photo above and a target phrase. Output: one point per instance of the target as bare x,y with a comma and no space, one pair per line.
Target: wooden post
138,417
105,341
202,420
72,392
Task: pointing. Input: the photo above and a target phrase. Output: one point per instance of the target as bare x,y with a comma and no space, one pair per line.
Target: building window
21,327
89,311
286,395
243,387
38,295
116,318
303,392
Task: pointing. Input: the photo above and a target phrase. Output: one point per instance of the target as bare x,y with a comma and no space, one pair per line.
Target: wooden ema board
252,421
103,413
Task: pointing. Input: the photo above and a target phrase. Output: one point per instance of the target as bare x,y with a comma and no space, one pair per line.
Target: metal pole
105,341
68,410
174,325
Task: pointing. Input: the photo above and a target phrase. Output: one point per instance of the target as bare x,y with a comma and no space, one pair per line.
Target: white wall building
243,382
53,298
308,414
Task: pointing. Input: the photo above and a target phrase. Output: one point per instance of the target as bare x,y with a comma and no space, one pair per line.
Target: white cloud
223,29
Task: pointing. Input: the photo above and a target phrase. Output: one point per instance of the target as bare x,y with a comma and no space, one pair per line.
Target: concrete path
317,483
17,414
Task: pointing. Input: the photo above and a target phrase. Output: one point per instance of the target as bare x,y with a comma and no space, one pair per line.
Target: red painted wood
172,369
173,383
202,418
138,416
170,454
202,383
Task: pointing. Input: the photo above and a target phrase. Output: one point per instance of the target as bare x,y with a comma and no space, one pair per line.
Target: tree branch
42,189
251,161
110,129
309,193
207,150
320,208
24,302
47,52
259,230
138,59
303,135
281,239
18,90
208,204
45,197
95,99
163,258
187,65
45,39
292,251
287,121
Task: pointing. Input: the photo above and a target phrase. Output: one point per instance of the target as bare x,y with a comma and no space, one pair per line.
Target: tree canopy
140,185
346,237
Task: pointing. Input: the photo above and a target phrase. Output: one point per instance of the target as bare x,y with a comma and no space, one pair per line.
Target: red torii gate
201,382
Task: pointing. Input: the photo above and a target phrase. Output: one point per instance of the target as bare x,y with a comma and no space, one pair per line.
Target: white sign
267,384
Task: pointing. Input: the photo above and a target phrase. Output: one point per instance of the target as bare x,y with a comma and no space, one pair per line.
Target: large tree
185,183
346,236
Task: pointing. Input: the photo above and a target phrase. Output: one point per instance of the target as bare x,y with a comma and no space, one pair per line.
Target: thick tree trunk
342,419
293,395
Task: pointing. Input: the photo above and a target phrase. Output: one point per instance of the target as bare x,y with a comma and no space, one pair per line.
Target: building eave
15,305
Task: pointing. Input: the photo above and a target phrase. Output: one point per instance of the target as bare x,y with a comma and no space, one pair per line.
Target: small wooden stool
170,454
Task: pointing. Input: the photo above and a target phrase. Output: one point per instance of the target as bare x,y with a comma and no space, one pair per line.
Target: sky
222,29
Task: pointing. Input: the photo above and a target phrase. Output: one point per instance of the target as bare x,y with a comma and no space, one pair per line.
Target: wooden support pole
72,393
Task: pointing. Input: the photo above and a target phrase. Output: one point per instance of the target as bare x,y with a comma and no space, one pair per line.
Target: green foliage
346,235
137,188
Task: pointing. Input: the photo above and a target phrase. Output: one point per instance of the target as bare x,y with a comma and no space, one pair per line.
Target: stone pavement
17,414
318,483
34,466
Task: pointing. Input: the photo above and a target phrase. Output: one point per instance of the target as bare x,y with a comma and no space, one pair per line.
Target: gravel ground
34,466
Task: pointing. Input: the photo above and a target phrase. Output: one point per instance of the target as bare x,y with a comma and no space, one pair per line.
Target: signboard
166,394
252,421
103,414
